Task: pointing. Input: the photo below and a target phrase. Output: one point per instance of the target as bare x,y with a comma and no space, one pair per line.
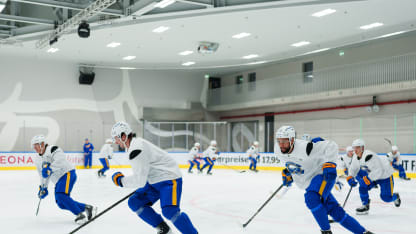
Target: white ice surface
216,204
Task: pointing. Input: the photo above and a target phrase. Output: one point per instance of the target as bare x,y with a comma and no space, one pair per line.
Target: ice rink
216,204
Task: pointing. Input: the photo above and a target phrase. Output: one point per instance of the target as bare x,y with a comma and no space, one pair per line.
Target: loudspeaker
86,79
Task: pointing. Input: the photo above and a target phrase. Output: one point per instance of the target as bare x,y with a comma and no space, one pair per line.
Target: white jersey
150,164
106,151
210,152
193,153
252,151
391,157
59,165
345,162
309,165
378,168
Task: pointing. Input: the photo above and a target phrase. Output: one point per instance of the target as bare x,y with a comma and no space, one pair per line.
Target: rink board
226,160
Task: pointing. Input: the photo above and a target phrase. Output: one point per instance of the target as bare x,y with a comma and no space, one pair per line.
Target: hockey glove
351,181
346,171
363,174
43,192
287,177
329,170
46,170
117,178
109,157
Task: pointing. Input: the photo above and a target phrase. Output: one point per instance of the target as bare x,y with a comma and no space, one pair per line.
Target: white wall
44,97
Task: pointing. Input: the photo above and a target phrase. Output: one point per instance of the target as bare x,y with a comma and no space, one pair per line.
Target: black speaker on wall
86,78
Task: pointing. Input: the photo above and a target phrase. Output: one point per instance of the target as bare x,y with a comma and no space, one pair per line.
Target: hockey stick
233,168
264,204
343,205
37,210
101,213
388,141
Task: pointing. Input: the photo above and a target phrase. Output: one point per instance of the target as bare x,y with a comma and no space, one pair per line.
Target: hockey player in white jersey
209,156
106,153
371,170
312,167
396,162
345,160
157,177
52,166
253,155
194,157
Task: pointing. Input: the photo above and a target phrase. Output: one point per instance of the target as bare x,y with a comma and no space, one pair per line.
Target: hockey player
306,137
194,157
106,153
253,155
311,166
157,177
88,149
52,166
396,162
209,157
346,159
371,170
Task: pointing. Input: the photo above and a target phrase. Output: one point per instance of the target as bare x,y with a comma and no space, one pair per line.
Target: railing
386,73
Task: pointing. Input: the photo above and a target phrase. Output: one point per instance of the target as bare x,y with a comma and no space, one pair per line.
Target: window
252,81
239,79
307,69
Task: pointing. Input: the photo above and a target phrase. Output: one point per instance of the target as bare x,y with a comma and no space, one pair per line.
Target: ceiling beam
67,5
23,19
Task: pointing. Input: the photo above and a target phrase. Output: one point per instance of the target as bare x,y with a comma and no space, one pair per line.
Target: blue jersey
88,148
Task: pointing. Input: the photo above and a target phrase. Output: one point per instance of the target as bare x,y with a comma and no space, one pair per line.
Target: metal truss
92,10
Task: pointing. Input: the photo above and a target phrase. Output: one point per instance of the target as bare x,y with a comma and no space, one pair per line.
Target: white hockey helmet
286,132
349,149
197,144
256,143
358,142
394,148
109,141
306,137
213,143
38,139
119,128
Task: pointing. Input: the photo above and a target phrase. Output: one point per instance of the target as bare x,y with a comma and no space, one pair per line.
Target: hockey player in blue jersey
371,170
106,153
194,157
209,157
157,177
88,149
52,166
253,155
312,167
396,162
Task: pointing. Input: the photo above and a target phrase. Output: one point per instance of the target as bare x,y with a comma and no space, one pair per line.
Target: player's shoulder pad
309,148
134,154
368,157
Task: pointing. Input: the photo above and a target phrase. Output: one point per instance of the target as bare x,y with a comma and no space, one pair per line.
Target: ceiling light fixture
52,50
250,56
316,51
301,43
188,63
164,3
370,26
113,44
258,62
391,34
186,52
324,12
130,57
127,68
160,29
241,35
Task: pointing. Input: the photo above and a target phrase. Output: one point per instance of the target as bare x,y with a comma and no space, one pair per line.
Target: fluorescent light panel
127,68
113,44
250,56
370,26
160,29
186,52
164,3
317,51
324,12
130,57
52,50
241,35
258,62
301,43
2,7
188,63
